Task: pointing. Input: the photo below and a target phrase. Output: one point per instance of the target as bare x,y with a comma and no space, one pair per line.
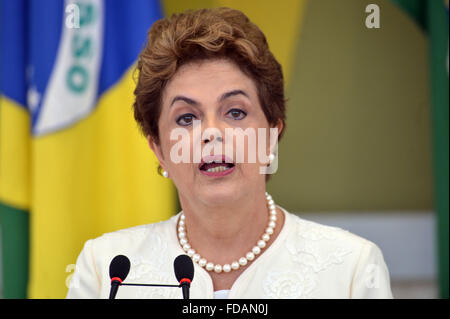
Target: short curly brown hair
199,35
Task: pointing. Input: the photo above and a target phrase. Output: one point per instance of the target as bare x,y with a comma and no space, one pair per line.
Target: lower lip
218,174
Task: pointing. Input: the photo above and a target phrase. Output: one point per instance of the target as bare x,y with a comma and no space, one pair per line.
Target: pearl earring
271,157
165,174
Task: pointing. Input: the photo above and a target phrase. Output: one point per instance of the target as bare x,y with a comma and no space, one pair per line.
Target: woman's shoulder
134,236
308,231
325,245
146,246
334,262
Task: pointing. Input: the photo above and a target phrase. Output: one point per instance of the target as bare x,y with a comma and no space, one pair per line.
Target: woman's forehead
209,79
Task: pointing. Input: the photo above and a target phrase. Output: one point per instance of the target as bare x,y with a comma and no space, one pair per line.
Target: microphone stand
149,285
183,286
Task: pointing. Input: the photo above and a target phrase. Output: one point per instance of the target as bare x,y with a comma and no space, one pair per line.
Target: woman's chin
218,195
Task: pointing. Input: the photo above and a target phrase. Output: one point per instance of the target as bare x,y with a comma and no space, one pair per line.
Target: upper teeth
217,169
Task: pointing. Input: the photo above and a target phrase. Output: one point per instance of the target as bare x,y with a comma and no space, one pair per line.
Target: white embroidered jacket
307,260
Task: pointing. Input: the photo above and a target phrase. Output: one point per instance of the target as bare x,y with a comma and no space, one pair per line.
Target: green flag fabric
432,15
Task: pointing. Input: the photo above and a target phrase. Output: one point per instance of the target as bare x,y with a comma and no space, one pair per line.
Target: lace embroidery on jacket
151,267
313,248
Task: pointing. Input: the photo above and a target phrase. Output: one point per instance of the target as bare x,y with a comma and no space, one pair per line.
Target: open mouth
213,165
216,167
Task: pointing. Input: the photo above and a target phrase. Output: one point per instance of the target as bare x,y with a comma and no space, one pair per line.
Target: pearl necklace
256,250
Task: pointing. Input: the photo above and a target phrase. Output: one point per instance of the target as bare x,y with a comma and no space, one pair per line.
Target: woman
213,68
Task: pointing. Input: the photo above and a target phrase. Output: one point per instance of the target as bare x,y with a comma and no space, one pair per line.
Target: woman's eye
185,119
237,114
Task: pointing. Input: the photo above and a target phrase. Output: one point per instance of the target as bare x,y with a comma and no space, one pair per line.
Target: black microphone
184,271
118,271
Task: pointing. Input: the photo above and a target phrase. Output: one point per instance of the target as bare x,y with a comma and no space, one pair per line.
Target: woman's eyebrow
233,93
185,99
222,97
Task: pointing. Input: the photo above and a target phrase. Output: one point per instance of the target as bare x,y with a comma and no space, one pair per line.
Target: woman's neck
224,233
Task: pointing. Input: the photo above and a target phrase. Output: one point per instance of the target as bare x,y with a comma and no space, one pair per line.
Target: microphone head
184,268
119,267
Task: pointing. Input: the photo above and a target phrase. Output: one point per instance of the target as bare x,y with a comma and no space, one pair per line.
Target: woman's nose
218,138
212,130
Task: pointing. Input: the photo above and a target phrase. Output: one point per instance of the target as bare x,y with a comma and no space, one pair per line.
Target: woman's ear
156,148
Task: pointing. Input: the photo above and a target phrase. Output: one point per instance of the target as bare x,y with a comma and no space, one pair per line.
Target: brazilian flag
73,164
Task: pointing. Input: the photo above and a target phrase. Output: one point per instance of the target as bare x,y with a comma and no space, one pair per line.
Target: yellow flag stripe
14,154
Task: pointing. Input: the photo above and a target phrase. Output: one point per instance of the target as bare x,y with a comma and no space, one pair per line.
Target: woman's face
212,95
